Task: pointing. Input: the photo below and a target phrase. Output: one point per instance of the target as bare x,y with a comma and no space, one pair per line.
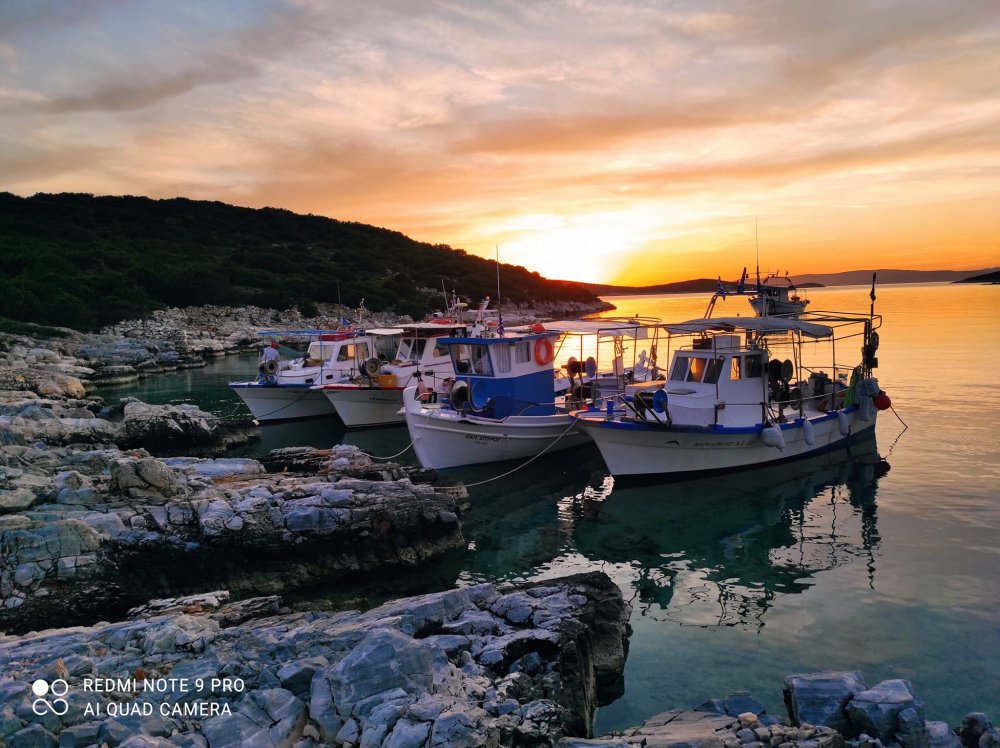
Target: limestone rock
888,709
822,698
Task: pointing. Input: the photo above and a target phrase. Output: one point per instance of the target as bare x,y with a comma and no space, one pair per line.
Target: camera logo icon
57,688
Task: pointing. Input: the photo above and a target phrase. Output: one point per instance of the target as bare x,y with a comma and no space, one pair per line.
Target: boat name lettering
741,443
482,438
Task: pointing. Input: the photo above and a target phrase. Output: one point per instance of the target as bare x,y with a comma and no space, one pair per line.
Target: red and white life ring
543,351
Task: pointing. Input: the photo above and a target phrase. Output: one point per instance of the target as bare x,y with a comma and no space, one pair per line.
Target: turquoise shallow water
884,560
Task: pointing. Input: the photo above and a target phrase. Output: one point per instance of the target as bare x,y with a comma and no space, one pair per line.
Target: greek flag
500,330
719,288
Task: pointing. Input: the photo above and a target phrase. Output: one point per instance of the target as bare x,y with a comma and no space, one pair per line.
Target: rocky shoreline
97,517
70,363
477,666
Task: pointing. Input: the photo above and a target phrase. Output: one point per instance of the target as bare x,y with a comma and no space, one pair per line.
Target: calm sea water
885,559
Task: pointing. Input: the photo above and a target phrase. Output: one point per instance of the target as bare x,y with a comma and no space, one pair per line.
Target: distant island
809,280
990,277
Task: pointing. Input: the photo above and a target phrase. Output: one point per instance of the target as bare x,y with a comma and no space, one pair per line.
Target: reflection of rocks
413,672
87,531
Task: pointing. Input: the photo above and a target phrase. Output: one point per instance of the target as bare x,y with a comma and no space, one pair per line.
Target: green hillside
82,261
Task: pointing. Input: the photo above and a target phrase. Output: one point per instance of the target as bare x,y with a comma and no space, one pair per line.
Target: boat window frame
713,369
696,369
680,361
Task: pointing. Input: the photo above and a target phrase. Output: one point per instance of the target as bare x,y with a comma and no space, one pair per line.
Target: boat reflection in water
719,551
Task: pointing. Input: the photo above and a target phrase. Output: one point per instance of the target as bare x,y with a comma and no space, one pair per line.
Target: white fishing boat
376,399
778,295
285,391
503,404
743,392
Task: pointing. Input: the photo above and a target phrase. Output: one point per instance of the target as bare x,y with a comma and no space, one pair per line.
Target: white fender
844,423
772,437
808,433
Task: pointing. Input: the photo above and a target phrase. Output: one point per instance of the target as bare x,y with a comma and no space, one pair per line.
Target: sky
617,141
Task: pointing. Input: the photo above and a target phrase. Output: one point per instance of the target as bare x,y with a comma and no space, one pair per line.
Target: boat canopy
602,327
384,331
756,324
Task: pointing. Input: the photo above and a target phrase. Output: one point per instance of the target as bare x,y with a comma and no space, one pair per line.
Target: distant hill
699,285
864,277
808,280
991,277
84,262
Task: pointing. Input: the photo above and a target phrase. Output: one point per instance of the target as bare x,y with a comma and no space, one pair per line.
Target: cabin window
479,358
352,352
501,358
522,353
735,371
713,370
411,349
471,359
697,370
679,372
754,367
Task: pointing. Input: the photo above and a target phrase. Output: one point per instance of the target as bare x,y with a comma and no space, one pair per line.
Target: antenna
499,306
756,241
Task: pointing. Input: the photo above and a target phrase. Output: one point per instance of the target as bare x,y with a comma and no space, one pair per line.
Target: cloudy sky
605,140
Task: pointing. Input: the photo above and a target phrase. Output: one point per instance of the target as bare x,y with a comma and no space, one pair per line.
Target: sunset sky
599,140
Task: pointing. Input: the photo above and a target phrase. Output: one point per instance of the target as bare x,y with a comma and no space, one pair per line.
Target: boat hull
277,402
658,452
444,438
366,406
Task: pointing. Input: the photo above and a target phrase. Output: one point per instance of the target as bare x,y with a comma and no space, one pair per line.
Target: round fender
543,351
270,367
590,367
787,370
882,401
372,367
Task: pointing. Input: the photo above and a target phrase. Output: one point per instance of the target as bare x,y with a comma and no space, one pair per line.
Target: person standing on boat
269,363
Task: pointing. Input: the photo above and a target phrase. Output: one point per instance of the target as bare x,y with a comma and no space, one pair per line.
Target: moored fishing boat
776,295
376,399
284,391
503,404
743,392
